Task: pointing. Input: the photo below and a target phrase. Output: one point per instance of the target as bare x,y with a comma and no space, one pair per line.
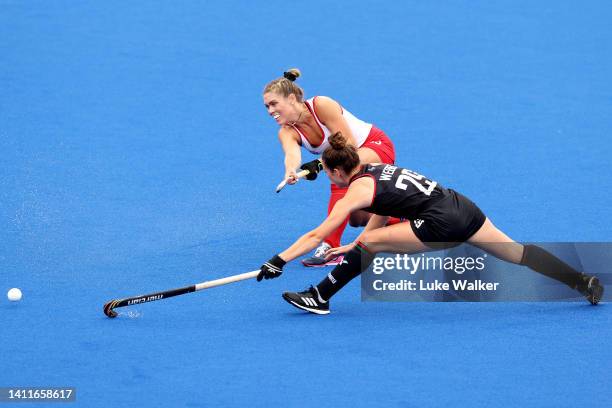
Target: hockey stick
283,183
151,297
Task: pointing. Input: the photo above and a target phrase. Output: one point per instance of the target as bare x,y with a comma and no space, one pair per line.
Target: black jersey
400,192
439,217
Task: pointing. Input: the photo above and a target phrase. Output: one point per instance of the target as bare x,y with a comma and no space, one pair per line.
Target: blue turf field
137,156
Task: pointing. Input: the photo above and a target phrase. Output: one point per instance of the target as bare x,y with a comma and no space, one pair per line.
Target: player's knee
366,238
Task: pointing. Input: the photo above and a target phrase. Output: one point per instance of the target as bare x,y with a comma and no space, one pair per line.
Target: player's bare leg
367,155
498,244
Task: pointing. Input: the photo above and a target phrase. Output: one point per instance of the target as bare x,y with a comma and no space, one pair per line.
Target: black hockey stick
151,297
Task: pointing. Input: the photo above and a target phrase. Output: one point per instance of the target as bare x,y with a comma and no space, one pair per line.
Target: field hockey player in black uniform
439,218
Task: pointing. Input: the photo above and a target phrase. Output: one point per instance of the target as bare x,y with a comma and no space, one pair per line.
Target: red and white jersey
359,128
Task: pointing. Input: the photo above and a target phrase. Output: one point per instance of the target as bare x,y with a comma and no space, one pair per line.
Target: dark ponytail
340,154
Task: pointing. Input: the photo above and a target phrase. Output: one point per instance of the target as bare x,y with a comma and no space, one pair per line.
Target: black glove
314,167
271,269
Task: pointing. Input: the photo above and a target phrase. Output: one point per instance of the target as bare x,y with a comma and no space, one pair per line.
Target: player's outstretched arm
273,268
359,195
293,154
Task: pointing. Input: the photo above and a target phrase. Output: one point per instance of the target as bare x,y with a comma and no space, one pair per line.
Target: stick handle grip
283,183
225,281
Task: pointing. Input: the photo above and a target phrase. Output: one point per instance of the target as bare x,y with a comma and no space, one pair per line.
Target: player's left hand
334,252
314,167
271,269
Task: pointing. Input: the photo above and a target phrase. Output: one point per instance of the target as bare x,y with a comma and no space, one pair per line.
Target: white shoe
318,258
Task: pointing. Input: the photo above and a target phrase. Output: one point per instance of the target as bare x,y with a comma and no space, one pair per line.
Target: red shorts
380,143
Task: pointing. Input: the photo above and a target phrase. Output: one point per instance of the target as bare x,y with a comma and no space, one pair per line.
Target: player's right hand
334,252
271,269
291,177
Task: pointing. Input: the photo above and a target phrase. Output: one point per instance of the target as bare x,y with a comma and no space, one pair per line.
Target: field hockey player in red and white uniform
308,124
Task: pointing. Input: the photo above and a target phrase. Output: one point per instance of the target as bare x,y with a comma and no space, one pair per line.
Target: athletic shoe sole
306,308
333,262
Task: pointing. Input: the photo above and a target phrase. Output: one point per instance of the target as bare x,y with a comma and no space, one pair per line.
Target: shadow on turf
444,312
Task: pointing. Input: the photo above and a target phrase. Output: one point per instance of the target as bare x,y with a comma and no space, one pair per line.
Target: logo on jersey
378,142
418,222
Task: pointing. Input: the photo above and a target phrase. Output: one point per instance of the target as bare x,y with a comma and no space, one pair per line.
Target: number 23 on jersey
419,181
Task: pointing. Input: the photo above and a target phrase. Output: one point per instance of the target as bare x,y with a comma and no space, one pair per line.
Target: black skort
448,222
